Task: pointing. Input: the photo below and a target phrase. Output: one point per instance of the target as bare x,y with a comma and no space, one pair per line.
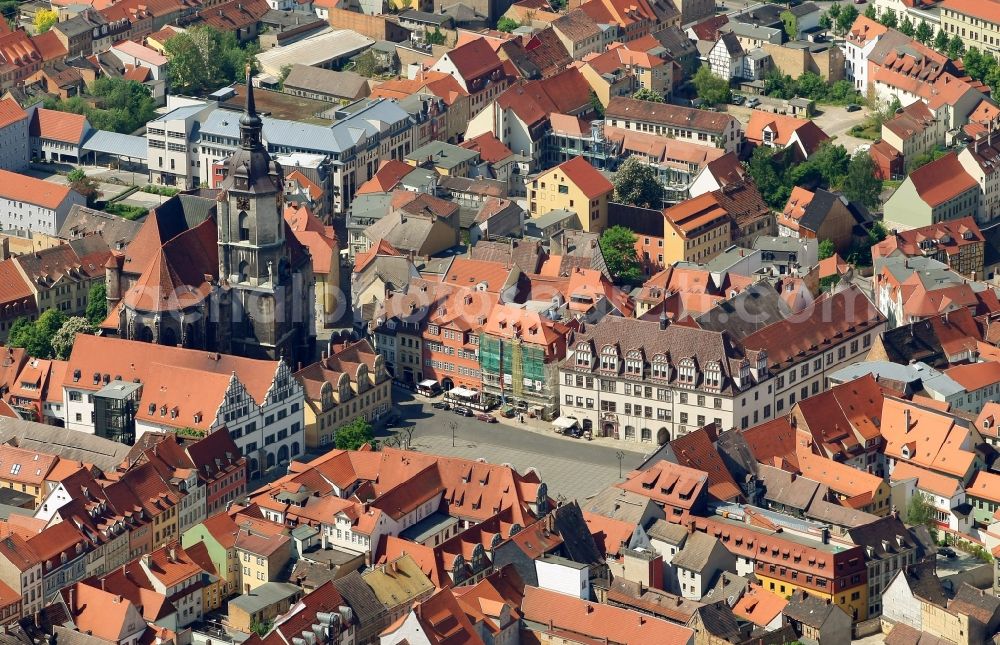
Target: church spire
250,123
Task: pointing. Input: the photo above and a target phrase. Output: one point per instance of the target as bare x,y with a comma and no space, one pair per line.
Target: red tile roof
58,126
696,450
942,180
11,112
22,188
668,484
586,177
490,149
560,614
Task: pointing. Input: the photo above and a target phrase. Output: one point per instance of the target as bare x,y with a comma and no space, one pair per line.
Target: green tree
923,159
36,338
941,41
283,76
955,47
618,246
920,511
354,435
44,19
81,183
790,23
768,174
637,184
780,85
596,105
20,332
861,185
506,24
203,59
62,340
261,627
889,19
871,12
97,303
907,28
811,85
435,37
924,34
842,92
846,18
646,94
710,88
367,65
826,249
825,21
834,10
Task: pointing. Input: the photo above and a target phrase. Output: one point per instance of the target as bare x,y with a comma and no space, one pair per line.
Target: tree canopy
646,94
826,249
636,183
44,19
121,105
618,247
62,340
36,337
775,172
203,59
923,33
507,25
710,88
354,435
97,303
790,24
81,183
861,185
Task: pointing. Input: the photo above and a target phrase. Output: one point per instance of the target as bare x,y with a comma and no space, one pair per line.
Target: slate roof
346,84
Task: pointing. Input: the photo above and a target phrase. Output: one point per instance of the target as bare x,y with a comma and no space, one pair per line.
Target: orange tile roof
171,565
984,485
22,188
611,535
941,180
934,439
387,177
490,149
58,126
667,484
865,29
928,481
983,10
759,606
11,112
558,613
840,478
694,214
975,376
13,287
465,272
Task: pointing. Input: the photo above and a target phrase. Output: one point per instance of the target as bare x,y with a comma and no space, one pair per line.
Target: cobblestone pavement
573,468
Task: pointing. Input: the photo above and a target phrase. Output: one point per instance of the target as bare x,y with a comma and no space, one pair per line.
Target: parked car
753,102
486,418
853,107
465,412
859,1
948,552
441,405
738,99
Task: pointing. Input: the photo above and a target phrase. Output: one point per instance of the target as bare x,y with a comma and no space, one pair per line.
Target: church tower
268,288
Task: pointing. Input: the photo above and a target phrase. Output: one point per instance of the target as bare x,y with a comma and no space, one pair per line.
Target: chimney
906,419
663,321
172,554
72,598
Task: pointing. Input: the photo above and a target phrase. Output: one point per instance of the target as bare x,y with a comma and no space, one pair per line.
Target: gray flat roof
264,596
113,143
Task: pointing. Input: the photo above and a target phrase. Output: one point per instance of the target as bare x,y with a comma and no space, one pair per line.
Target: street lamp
620,455
454,427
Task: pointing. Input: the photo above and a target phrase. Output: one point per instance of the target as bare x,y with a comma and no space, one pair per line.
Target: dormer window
713,375
661,368
634,363
583,355
609,359
687,371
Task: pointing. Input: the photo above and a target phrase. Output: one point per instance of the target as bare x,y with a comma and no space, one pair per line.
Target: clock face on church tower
243,203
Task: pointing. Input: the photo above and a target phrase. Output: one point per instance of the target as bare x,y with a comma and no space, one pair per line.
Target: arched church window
244,227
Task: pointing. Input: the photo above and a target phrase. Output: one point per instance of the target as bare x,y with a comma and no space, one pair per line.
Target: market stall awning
463,392
564,423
